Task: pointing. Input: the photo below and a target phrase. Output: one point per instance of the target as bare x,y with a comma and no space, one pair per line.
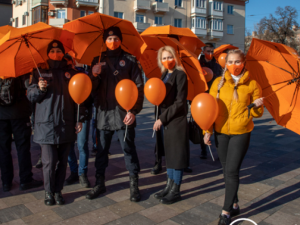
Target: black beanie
112,31
55,44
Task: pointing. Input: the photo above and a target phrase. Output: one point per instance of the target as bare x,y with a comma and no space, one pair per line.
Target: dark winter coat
110,114
173,112
21,107
214,66
55,112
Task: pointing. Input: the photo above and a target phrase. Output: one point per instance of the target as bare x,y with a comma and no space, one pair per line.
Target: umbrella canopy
184,35
4,30
88,41
222,49
21,49
276,68
190,63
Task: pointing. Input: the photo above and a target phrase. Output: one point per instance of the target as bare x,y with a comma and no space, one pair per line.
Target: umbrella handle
42,88
250,107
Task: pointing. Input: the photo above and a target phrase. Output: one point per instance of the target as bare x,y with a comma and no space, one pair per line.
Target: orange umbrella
223,49
4,30
88,42
190,63
22,49
184,35
276,68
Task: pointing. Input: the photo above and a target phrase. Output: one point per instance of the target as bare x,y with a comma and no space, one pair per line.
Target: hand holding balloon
157,125
96,70
206,138
129,118
78,127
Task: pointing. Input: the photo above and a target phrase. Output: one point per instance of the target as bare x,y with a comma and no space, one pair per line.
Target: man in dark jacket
208,60
115,65
15,111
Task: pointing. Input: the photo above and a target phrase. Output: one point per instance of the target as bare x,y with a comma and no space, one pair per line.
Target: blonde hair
174,54
222,81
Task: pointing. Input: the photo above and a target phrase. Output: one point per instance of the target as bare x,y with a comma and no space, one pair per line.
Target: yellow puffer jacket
233,115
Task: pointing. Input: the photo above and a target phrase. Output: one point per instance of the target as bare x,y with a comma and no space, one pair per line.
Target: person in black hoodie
15,111
115,65
55,120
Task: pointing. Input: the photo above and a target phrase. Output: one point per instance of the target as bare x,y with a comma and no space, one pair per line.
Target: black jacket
110,114
21,107
214,66
55,112
173,116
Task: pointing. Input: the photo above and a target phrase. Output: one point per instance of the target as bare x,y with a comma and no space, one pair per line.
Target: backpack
7,91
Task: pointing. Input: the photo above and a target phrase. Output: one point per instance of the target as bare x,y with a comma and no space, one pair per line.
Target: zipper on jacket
229,116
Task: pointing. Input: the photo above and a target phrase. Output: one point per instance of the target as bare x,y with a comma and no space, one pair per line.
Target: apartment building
5,12
216,21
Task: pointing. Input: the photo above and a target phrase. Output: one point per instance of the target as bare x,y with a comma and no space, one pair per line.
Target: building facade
5,12
216,21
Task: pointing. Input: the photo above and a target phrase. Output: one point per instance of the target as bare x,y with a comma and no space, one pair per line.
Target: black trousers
21,129
55,159
128,147
231,150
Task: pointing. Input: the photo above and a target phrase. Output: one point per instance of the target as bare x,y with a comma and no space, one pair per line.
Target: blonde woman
172,124
234,91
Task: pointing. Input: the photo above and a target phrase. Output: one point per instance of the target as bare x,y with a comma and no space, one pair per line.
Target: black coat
173,112
55,112
21,107
110,114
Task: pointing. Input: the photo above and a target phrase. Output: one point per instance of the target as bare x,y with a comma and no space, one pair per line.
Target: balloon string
210,151
126,129
78,113
156,117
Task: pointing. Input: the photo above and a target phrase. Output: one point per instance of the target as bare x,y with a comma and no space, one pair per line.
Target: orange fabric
56,56
273,65
15,57
186,37
235,69
113,44
169,64
4,30
88,40
189,61
222,49
208,56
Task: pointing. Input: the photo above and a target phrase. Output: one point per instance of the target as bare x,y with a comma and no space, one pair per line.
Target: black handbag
195,132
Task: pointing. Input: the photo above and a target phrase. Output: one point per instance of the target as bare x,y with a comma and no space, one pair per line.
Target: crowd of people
56,128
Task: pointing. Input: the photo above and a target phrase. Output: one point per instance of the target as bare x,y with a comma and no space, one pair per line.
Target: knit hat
112,31
55,44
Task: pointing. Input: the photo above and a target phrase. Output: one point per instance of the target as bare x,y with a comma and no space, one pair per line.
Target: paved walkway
269,191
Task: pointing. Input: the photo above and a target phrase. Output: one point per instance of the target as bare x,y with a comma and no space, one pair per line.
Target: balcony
59,2
141,5
89,3
160,7
141,26
215,35
196,10
215,12
199,32
57,22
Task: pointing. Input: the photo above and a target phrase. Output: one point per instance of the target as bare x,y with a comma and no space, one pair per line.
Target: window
218,6
158,20
118,15
217,25
61,14
178,3
200,22
23,20
139,18
82,13
201,3
24,0
229,29
230,9
158,0
16,22
40,14
91,12
177,22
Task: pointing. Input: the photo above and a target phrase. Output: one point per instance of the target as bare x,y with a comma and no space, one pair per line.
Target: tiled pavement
269,190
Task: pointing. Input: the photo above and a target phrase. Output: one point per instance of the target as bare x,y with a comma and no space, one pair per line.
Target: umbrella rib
285,59
296,91
90,23
9,46
93,41
276,84
278,67
186,75
35,50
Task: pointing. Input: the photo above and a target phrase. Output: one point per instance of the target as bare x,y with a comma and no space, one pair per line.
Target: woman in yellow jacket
234,91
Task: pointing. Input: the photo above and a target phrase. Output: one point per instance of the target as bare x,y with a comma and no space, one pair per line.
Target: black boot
235,212
134,189
157,168
39,163
84,181
224,220
59,198
173,195
98,189
72,179
165,191
32,184
6,187
49,198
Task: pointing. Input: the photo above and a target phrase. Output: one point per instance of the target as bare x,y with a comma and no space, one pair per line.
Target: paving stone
159,213
13,213
133,219
280,218
168,222
45,218
125,208
18,199
15,222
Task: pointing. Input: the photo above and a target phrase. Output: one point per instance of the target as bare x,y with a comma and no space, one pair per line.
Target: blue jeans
175,175
83,148
94,127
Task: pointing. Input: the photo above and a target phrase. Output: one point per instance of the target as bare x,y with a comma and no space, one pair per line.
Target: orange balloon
126,94
189,43
208,74
222,60
204,109
155,91
80,87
